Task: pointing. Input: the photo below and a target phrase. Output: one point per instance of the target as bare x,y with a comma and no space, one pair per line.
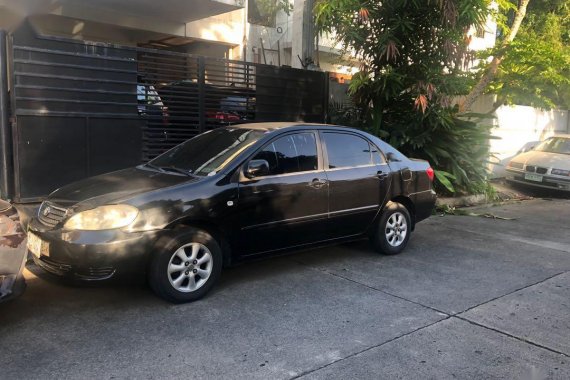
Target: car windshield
208,152
555,145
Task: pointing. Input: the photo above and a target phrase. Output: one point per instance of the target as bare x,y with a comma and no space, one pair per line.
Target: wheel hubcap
396,229
190,267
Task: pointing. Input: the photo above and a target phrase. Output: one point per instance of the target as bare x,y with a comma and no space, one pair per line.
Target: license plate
37,246
533,177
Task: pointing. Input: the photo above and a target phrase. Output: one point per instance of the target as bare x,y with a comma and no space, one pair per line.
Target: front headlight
102,218
516,165
560,172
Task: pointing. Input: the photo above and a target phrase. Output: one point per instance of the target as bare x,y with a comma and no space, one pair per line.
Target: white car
547,165
13,252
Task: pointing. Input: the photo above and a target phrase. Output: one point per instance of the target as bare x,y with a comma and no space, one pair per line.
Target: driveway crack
372,288
520,339
509,293
308,372
446,314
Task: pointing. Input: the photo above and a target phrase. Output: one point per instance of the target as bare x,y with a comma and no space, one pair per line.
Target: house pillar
303,36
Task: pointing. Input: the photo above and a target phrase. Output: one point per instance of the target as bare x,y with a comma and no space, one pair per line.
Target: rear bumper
424,203
93,255
548,181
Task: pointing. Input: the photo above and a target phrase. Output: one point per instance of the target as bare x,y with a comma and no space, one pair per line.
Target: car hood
544,159
116,186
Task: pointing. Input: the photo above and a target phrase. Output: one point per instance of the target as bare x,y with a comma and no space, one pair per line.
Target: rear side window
345,150
290,154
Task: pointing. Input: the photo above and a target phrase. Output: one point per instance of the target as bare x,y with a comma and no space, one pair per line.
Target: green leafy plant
445,178
413,58
535,69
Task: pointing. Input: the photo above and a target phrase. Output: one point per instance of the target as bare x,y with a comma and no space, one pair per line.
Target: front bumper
93,255
548,181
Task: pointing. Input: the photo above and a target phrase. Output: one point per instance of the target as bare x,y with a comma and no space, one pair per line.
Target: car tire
392,231
185,266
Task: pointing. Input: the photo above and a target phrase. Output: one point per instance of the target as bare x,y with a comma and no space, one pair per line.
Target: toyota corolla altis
229,195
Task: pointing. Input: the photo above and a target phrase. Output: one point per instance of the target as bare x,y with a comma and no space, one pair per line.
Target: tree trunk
494,66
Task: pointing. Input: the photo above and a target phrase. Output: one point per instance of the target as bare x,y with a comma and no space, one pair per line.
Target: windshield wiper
164,169
155,167
177,170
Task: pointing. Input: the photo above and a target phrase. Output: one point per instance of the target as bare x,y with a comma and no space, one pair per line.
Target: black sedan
230,195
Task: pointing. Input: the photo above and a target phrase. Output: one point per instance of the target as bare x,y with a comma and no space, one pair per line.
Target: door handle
318,183
380,174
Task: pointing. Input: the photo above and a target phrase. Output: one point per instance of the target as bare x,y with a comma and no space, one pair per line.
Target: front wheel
393,229
186,266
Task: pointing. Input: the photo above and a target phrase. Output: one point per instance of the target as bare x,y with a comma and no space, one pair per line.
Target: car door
288,206
359,179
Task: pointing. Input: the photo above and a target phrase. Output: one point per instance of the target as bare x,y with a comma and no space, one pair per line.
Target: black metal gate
83,108
6,162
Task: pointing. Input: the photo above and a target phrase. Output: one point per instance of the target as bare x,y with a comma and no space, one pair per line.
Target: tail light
430,173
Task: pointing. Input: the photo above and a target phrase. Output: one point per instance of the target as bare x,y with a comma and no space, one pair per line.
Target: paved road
470,298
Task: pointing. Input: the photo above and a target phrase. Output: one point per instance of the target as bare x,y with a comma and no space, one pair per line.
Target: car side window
346,150
290,154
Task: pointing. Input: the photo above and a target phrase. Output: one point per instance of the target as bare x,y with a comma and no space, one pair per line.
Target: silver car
547,165
13,252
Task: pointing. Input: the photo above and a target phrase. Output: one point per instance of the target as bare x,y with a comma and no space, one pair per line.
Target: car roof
271,126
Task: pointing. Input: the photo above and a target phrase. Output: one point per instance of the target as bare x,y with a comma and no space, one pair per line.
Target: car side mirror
257,168
391,157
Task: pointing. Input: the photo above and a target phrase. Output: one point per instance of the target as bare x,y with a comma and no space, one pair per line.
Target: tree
491,71
413,56
535,70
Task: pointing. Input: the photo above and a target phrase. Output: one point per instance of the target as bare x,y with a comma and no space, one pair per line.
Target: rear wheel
186,266
393,229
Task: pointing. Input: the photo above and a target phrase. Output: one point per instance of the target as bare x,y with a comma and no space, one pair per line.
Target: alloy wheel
190,267
396,229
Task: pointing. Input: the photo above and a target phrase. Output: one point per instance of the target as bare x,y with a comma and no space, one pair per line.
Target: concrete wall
519,125
227,28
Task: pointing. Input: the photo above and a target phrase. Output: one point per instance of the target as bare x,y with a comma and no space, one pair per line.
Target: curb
464,201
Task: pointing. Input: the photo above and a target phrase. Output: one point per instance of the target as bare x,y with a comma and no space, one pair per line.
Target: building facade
90,87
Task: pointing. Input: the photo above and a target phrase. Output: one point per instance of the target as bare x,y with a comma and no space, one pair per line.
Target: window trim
370,143
251,157
384,159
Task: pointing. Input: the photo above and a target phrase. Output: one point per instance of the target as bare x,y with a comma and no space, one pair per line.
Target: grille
90,273
53,266
530,168
61,269
540,170
50,214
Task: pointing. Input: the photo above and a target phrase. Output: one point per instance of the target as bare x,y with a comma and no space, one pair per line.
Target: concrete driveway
471,297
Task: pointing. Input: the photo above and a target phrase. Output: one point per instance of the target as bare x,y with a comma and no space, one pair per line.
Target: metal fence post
6,171
326,97
201,94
